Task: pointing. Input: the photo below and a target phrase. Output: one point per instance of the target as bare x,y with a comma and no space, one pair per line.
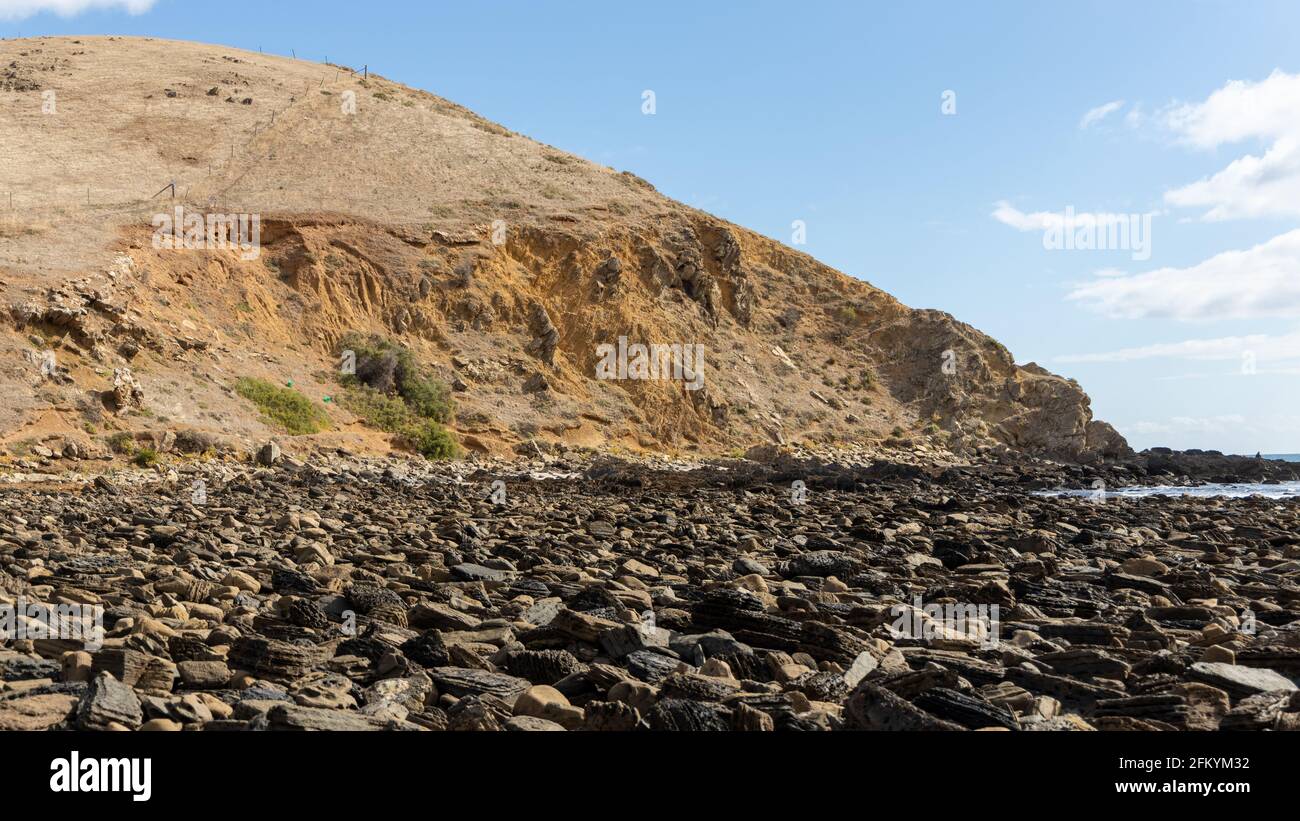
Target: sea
1283,490
1236,490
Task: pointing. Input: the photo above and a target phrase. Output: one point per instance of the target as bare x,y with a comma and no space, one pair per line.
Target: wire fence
227,170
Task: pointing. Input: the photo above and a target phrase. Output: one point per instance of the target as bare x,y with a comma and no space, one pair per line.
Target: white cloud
1135,116
1249,187
1081,230
1240,111
1007,214
1263,347
1190,424
1263,281
22,9
1101,112
1253,185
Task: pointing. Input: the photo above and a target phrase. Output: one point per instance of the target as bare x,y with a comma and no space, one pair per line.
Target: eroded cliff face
507,294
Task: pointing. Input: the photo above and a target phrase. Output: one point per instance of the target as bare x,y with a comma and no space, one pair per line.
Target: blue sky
831,113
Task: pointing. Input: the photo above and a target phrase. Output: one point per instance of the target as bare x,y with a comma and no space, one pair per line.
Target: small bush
390,393
122,442
390,368
145,457
286,407
392,414
432,441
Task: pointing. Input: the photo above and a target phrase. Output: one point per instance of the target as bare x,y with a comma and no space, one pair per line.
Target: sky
1111,189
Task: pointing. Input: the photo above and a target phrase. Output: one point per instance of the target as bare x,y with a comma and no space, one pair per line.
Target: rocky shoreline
780,594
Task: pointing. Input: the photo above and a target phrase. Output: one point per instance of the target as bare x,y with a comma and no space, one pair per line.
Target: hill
502,264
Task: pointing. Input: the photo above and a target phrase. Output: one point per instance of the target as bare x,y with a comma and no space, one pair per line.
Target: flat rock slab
20,668
479,573
108,701
461,682
1240,682
315,719
41,712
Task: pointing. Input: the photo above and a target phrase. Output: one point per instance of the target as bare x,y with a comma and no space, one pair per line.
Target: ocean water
1285,457
1285,490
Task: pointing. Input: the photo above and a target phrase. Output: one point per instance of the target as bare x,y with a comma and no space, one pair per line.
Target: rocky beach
586,593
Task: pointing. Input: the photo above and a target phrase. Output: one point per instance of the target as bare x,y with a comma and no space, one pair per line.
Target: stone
873,708
532,724
749,719
160,725
861,667
324,690
203,675
1219,654
313,719
44,711
127,392
612,716
77,666
268,454
1145,566
462,682
715,668
537,698
242,581
1239,682
108,702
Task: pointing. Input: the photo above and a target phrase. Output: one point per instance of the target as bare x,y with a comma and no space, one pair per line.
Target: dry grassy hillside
500,262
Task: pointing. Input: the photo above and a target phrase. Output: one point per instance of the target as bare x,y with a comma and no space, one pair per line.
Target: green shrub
287,408
391,393
390,368
145,457
122,442
392,414
432,441
429,399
